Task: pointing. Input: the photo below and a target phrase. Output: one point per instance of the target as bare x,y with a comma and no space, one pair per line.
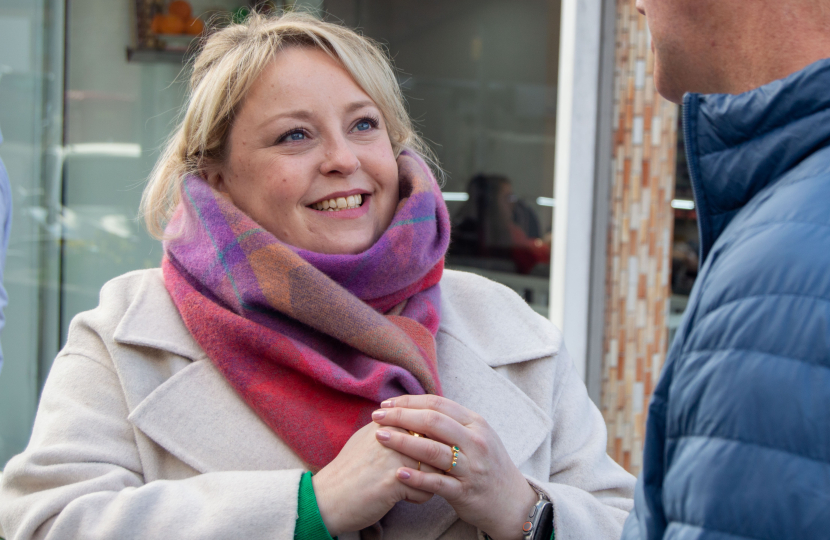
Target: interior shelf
157,55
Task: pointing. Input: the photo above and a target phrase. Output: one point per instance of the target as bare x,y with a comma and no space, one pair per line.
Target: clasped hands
378,467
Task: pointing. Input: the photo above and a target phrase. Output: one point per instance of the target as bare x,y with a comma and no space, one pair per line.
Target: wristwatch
539,524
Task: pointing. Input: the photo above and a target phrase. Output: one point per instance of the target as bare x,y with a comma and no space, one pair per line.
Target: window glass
31,77
118,116
480,81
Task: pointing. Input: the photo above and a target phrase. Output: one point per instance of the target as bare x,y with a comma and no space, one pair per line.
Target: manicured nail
383,435
388,404
403,474
378,415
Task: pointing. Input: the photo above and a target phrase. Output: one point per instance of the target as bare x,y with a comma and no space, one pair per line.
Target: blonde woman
302,322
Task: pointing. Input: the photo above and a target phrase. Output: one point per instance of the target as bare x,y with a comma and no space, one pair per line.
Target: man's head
731,46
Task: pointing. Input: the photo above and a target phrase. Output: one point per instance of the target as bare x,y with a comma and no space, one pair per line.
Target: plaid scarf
312,342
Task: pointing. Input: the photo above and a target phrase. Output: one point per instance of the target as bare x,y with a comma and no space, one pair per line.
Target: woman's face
309,158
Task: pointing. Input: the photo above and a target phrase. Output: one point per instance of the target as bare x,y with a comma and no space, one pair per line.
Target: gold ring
419,465
416,434
455,451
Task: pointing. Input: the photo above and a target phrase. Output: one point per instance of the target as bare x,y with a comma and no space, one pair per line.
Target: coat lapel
194,414
197,417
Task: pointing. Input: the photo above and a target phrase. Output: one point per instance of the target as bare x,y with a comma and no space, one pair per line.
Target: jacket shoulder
493,320
114,301
122,290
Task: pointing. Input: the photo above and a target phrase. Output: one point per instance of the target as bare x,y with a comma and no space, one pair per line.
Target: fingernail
383,435
378,415
403,474
388,404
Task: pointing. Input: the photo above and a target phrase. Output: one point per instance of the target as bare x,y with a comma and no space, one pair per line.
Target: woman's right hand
359,486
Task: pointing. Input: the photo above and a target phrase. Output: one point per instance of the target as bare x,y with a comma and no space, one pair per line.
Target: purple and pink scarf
312,342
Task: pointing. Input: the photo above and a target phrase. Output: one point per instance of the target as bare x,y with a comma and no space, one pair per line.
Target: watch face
544,527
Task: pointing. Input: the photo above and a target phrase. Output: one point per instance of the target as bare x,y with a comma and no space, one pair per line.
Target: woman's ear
215,176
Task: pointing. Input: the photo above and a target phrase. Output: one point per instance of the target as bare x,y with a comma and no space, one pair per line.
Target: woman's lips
347,212
339,203
338,194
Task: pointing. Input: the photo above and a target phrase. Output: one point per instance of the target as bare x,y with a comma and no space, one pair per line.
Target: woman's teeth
340,203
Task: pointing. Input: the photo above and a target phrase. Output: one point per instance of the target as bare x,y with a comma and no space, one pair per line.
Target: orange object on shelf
170,24
194,27
181,9
155,25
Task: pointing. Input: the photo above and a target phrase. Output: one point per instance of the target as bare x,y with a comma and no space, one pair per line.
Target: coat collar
196,415
736,145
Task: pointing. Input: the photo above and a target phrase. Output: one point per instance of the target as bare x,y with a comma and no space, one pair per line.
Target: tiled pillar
639,240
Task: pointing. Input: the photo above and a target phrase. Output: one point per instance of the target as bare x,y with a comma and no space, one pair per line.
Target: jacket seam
748,443
785,123
554,405
484,360
108,367
752,297
553,408
765,353
779,222
704,528
773,181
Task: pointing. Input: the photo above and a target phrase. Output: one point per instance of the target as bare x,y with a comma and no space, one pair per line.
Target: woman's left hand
484,487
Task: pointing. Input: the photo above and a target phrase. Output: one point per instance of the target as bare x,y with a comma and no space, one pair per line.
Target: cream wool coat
138,436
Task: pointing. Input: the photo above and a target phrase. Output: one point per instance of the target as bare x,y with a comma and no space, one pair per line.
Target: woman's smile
340,201
309,157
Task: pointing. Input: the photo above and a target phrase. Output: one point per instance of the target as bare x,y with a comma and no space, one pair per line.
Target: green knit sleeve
309,524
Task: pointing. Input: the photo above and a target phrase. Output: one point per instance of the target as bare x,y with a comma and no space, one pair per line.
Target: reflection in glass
480,79
493,225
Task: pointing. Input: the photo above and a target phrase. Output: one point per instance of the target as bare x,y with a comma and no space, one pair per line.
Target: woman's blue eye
294,135
363,125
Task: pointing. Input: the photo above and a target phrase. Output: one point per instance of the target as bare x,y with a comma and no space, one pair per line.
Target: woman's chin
342,244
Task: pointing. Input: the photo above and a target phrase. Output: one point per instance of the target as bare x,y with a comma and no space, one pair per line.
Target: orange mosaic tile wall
639,240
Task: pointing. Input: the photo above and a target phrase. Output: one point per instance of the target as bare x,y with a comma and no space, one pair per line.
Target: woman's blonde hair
230,61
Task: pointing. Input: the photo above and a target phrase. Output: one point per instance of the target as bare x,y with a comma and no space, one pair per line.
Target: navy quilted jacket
738,432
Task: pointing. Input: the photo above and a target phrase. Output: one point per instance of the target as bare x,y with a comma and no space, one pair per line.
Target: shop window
480,81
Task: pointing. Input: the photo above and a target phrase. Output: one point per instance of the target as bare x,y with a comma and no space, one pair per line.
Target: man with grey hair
738,434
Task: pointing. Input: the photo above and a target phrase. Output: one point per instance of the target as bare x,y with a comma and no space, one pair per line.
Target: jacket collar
736,145
189,413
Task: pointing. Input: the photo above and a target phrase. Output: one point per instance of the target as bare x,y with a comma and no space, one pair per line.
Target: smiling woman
307,135
302,322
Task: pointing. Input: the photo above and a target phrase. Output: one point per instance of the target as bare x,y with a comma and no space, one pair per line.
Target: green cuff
309,524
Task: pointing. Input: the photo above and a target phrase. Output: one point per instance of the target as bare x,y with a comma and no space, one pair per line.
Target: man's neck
772,45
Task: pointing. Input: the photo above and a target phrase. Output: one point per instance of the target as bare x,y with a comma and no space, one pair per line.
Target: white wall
574,174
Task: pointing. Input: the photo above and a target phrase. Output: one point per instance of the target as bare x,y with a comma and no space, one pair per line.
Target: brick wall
639,240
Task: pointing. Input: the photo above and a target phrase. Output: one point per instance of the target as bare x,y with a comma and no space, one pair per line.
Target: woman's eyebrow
299,114
305,114
355,105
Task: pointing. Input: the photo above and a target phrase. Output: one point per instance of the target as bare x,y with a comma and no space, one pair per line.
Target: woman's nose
340,159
